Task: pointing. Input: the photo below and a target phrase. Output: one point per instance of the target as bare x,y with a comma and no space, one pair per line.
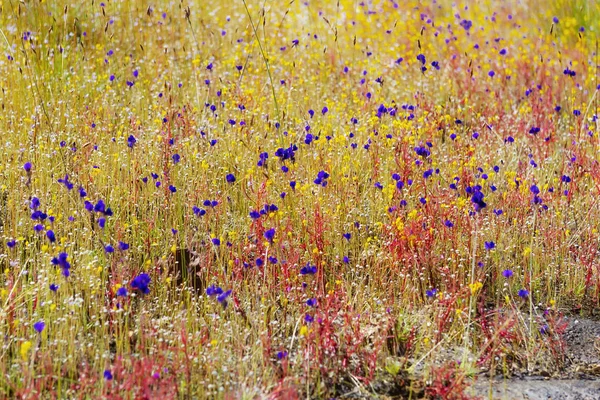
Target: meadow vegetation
244,199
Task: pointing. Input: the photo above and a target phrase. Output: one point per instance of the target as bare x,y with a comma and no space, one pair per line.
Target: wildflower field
294,199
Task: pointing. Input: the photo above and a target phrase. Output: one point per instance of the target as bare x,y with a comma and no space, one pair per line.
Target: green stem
264,58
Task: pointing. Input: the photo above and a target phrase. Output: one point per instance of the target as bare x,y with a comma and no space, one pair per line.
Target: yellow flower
475,287
25,347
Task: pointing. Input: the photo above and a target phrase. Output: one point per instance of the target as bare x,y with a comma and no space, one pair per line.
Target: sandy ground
535,388
579,381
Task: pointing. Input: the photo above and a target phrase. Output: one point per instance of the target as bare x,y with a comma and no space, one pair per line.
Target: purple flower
35,203
122,291
53,287
222,298
100,206
308,138
431,293
270,234
312,302
108,375
523,293
213,290
27,167
322,177
11,243
131,140
51,237
489,245
308,269
141,283
477,200
66,182
422,151
448,223
39,326
216,241
230,178
123,246
507,273
62,262
262,159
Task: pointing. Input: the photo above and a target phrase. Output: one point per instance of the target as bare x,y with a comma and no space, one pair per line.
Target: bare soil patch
580,379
